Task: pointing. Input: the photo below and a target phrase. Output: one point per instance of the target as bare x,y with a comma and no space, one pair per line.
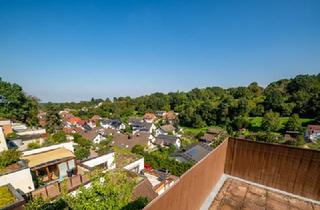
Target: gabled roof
166,139
168,128
197,152
128,142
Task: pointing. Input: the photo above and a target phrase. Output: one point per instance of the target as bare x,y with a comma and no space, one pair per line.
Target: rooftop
237,194
261,176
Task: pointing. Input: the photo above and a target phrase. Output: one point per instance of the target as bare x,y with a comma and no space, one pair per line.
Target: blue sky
75,50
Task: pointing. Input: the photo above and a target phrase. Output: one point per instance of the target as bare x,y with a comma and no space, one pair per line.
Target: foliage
81,152
112,191
57,138
16,105
271,121
53,121
8,157
82,149
6,196
137,204
293,124
34,145
160,159
39,204
213,106
104,146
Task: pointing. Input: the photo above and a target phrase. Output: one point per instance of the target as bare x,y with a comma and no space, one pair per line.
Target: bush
34,145
8,157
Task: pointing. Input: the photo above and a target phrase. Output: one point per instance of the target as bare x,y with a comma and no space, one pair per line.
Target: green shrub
8,157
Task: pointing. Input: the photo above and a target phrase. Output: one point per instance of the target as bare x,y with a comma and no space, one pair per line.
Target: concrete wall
291,169
3,143
193,187
68,146
21,179
32,132
139,164
107,158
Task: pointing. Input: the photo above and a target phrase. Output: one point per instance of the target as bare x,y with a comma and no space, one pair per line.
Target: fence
291,169
55,189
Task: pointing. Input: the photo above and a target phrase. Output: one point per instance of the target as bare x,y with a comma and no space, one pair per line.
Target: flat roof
237,194
48,156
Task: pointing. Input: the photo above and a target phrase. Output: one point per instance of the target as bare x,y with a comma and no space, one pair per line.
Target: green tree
16,105
113,191
271,121
53,121
57,138
293,123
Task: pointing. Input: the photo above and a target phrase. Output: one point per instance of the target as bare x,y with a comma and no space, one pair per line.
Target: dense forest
197,108
214,105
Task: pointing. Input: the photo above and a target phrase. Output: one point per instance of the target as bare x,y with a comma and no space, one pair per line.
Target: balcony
244,174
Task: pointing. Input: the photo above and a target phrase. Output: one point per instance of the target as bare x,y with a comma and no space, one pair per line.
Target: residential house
194,153
170,117
129,141
104,162
167,140
138,126
94,135
160,181
166,129
19,127
26,137
52,163
18,175
74,120
160,114
313,132
6,126
149,117
113,123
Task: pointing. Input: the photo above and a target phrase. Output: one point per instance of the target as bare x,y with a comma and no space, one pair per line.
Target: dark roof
197,152
166,139
113,122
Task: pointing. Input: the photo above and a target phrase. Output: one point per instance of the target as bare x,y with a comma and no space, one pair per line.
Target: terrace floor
235,195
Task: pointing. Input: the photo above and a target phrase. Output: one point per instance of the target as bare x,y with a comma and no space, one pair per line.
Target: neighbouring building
149,117
113,123
52,163
168,140
166,129
129,141
6,126
194,153
313,132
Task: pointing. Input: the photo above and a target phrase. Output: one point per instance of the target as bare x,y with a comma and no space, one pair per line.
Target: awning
48,157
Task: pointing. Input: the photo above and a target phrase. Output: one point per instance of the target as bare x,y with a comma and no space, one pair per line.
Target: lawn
6,197
256,121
